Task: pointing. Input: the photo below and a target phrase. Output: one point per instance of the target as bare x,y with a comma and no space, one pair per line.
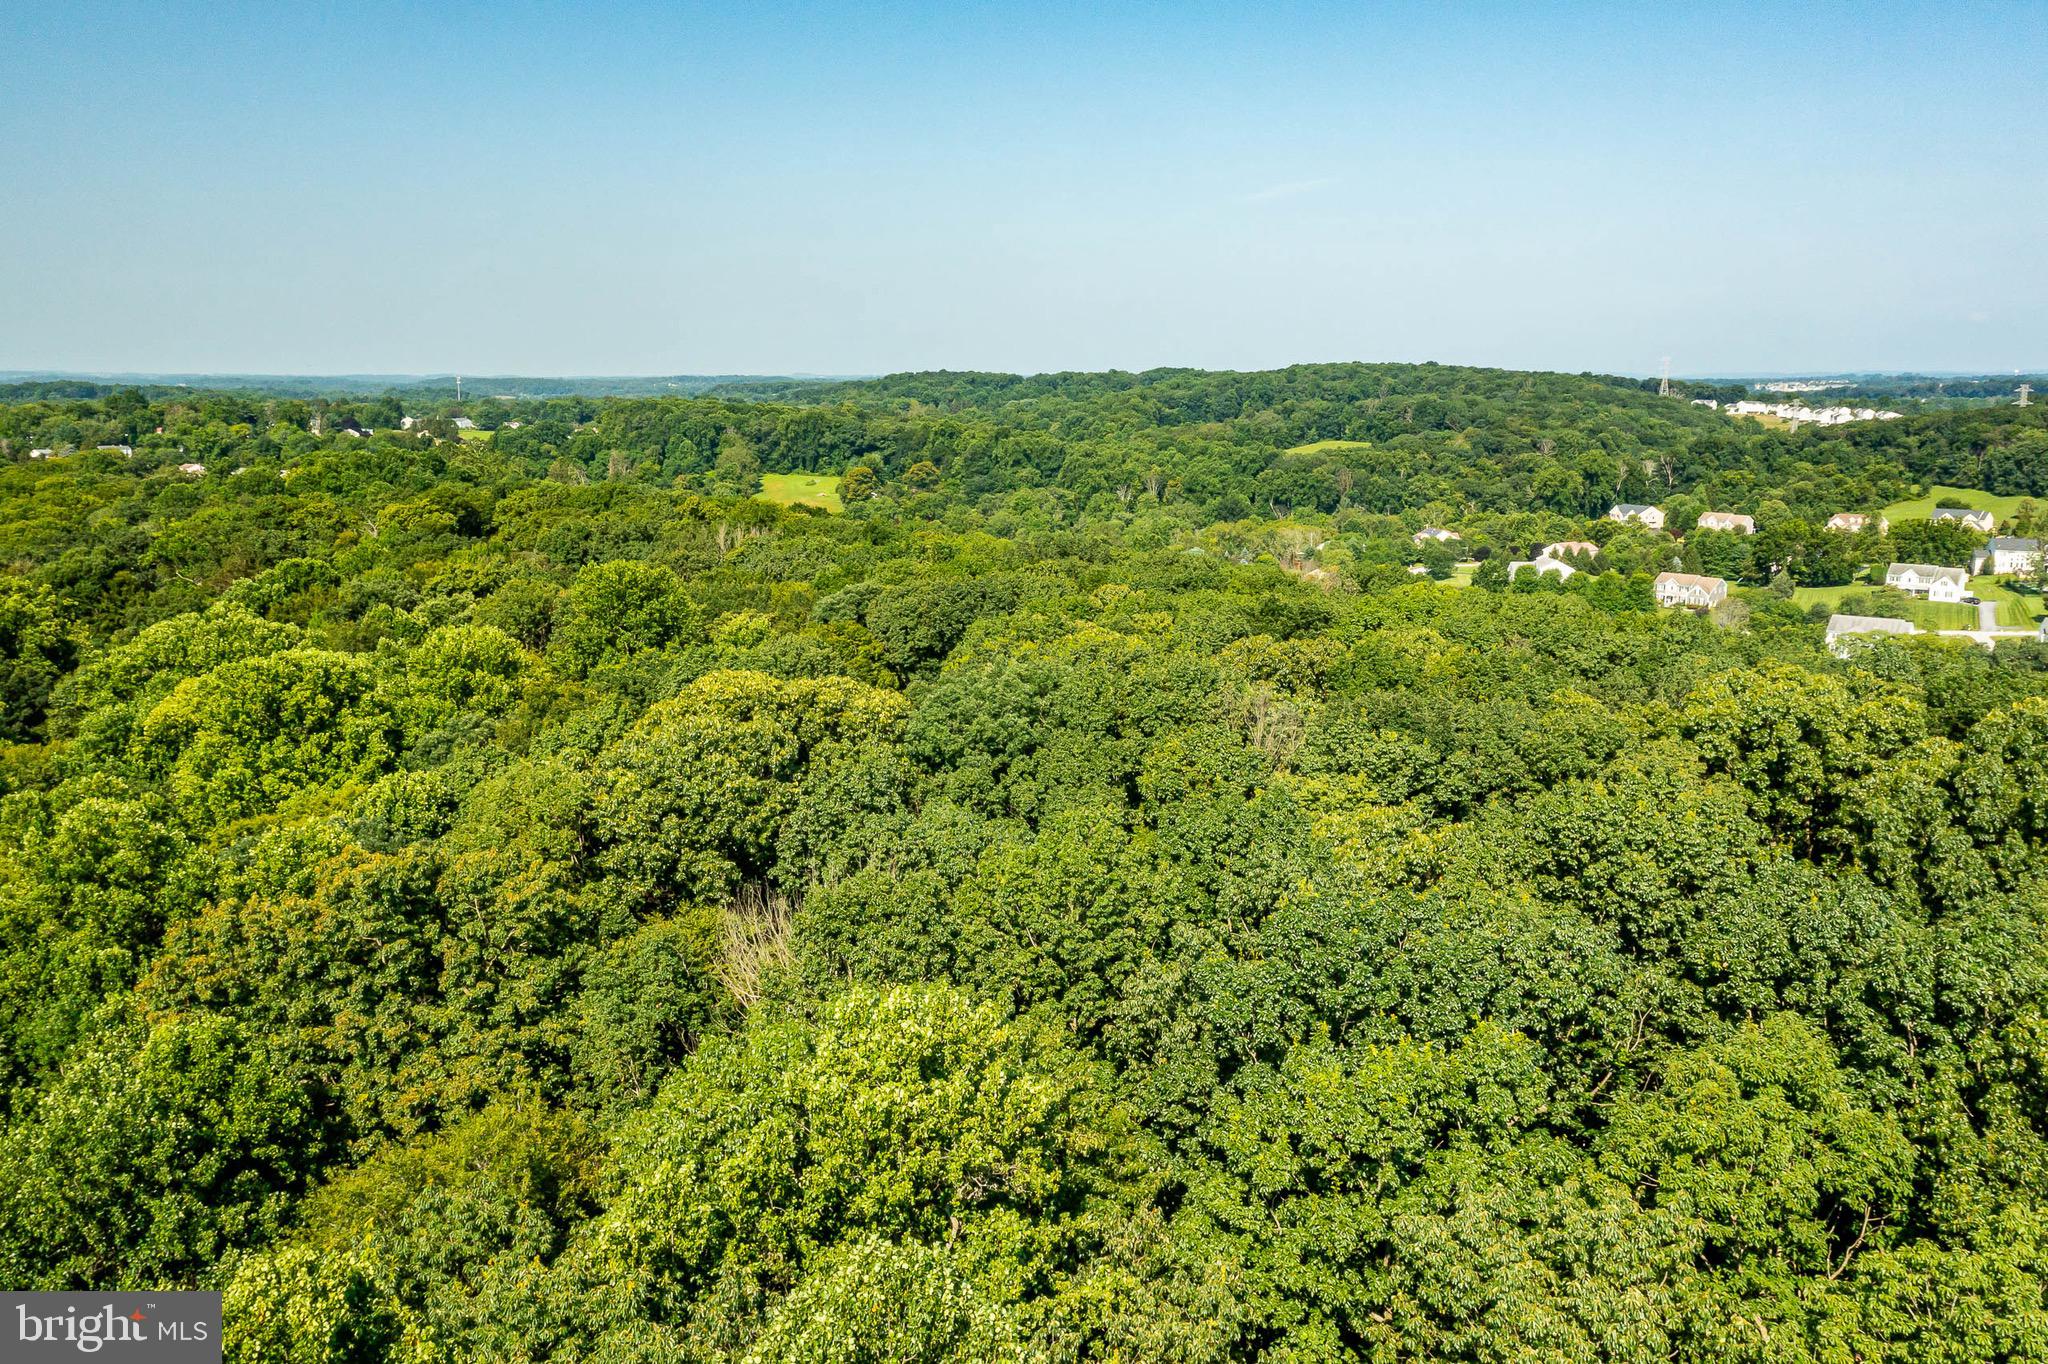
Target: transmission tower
1664,384
2024,391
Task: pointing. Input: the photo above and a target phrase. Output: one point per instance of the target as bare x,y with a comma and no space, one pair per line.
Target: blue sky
673,188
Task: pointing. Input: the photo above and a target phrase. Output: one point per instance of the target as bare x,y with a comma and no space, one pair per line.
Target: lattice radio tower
1664,384
2024,391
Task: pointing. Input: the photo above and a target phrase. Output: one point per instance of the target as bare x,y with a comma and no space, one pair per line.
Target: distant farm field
1320,446
1920,508
810,490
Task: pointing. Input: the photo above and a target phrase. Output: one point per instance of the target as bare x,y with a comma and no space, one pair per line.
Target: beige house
1856,521
1690,589
1564,549
1437,533
1727,521
1653,517
1931,581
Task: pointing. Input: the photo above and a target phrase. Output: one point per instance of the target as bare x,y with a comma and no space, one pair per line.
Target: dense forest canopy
499,881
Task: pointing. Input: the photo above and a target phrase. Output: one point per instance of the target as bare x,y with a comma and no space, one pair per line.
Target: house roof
1692,580
2022,543
1956,514
1855,625
1633,507
1926,571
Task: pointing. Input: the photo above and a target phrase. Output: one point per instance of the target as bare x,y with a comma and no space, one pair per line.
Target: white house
464,424
1840,626
192,469
407,423
1689,589
40,452
1564,549
1705,402
1542,564
1727,521
1438,533
1969,516
121,449
2007,554
1653,517
1928,580
1856,521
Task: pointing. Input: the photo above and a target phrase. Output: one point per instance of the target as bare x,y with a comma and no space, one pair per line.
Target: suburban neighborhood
1977,584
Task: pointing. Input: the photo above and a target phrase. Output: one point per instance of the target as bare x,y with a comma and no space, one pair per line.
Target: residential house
1857,521
194,469
1565,549
2007,554
1840,627
1689,589
40,452
1438,533
1931,581
408,423
1969,516
1542,564
118,449
1727,521
464,424
1705,402
1653,517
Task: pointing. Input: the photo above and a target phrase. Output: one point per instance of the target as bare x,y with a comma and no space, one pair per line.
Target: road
1987,615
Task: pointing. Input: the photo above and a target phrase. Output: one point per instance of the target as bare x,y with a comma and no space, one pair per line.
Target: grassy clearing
1830,597
2016,610
1920,508
1319,446
810,490
478,434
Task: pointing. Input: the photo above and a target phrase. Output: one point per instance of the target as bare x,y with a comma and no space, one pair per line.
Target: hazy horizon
640,189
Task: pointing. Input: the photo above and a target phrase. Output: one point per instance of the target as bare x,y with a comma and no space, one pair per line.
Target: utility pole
1664,384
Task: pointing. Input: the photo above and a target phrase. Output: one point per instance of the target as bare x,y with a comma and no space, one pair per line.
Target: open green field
1830,597
810,490
478,434
1920,508
2016,610
1317,447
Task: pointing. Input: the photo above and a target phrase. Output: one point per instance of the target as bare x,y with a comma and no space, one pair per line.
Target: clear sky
641,188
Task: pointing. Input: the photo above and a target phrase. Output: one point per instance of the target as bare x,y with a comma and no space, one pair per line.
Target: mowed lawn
2016,610
1920,508
811,490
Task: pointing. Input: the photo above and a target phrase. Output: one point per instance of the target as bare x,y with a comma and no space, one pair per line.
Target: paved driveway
1987,615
